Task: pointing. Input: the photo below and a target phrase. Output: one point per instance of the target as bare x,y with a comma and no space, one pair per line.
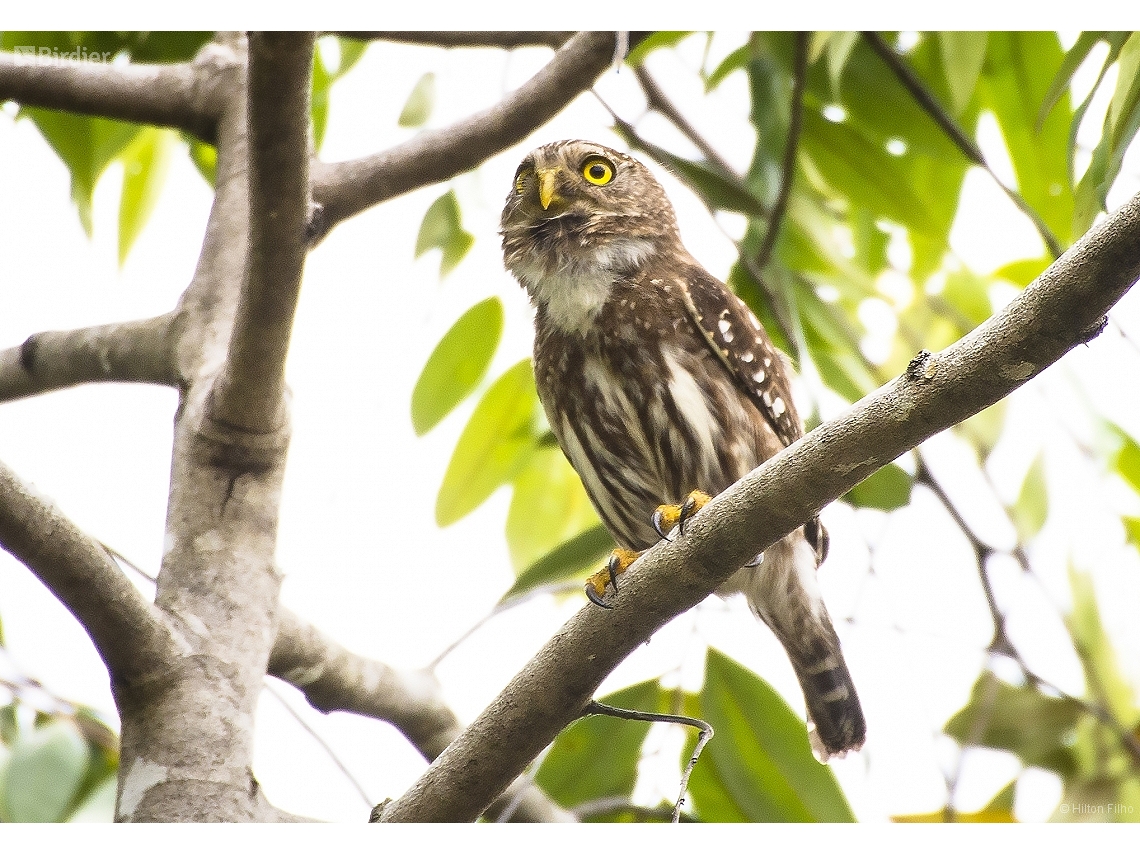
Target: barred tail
832,702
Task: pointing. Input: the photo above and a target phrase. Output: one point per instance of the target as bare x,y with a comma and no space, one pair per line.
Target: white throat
574,292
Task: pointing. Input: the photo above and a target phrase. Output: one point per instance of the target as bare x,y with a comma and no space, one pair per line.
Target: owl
662,388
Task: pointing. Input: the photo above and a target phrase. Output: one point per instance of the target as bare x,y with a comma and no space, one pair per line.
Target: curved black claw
614,567
594,598
659,526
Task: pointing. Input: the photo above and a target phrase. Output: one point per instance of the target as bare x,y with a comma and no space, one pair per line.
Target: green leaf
549,506
718,191
1021,720
43,774
1132,530
984,429
1018,70
1126,459
759,766
457,364
1105,681
442,229
652,42
863,172
962,56
1000,809
839,48
322,81
733,62
1074,58
969,294
584,551
86,145
1024,271
596,757
1032,506
9,726
204,157
145,164
887,489
418,107
494,446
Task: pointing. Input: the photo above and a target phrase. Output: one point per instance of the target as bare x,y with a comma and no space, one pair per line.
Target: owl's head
576,197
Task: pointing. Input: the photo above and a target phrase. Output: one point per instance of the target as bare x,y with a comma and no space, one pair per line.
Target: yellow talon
668,517
619,561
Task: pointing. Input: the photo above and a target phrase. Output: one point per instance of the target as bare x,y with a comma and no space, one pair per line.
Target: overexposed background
914,630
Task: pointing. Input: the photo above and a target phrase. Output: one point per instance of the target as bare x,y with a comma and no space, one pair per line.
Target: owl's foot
619,561
668,517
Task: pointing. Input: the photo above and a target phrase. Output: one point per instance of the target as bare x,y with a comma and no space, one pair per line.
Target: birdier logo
33,55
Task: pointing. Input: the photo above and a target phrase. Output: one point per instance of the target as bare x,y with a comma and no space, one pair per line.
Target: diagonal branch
133,352
1063,308
656,99
250,391
459,39
349,187
132,638
189,96
334,678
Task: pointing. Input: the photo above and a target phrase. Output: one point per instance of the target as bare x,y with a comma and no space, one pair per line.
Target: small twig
616,804
706,733
658,101
945,121
788,173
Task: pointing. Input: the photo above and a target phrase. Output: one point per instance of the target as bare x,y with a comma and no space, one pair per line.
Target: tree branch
791,148
334,678
250,391
459,39
189,96
132,352
656,99
347,188
131,636
1063,308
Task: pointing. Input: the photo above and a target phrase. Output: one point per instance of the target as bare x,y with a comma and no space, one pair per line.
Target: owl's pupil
597,172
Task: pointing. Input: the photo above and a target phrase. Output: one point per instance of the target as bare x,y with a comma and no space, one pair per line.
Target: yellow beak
547,181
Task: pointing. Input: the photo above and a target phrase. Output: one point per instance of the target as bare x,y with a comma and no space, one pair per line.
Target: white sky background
362,556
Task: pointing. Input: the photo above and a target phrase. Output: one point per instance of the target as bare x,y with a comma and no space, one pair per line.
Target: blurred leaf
319,99
457,364
494,446
660,39
442,229
103,45
584,551
1,633
887,489
1132,530
1021,720
44,773
759,766
716,189
1105,681
1023,272
1015,81
1000,809
733,62
9,725
962,56
862,172
549,506
1126,457
1074,57
418,107
969,294
1032,506
596,757
984,429
145,164
98,805
86,145
839,48
204,157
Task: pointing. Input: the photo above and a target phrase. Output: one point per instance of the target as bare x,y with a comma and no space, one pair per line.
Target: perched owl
659,382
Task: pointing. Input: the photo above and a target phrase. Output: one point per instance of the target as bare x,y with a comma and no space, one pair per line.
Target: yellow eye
598,170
